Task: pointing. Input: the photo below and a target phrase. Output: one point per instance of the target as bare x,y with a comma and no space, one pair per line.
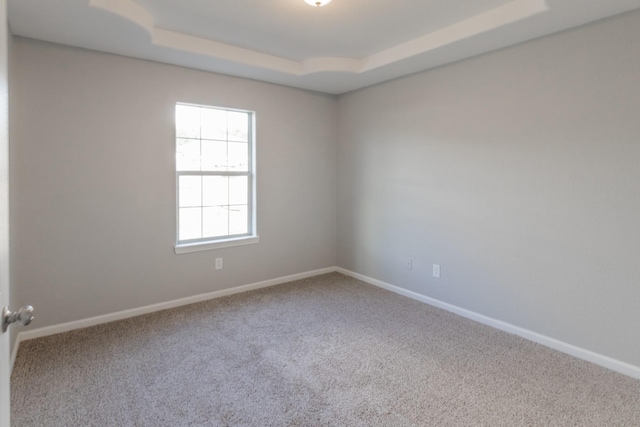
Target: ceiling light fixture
317,3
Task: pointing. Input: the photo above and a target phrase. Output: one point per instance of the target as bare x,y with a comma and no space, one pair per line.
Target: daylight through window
214,166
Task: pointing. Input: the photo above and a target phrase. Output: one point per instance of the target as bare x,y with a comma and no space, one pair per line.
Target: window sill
186,248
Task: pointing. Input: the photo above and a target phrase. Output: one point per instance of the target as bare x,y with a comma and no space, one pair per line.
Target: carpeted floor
325,351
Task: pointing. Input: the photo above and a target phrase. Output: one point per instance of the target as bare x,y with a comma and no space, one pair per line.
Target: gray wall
518,171
93,182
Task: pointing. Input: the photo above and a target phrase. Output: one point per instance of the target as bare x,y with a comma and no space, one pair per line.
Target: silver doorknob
24,316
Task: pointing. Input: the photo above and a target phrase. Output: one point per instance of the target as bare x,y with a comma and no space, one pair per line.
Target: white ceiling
337,48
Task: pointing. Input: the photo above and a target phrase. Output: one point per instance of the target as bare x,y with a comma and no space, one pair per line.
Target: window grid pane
187,154
190,223
213,165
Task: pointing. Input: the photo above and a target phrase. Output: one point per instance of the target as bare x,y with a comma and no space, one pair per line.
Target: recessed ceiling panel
294,30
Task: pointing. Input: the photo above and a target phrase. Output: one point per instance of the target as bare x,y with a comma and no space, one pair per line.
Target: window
215,177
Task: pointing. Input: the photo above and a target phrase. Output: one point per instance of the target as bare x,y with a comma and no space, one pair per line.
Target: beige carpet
325,351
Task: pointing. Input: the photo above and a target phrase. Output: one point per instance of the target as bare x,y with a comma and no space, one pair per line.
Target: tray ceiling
343,46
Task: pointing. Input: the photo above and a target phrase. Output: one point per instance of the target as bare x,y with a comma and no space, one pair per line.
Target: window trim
210,243
185,248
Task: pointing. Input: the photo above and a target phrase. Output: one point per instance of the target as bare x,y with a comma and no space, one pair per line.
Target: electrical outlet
436,270
218,263
409,264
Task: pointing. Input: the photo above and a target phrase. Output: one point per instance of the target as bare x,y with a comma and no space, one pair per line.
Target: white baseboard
588,355
97,320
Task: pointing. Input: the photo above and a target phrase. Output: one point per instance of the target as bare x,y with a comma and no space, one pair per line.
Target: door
5,352
5,360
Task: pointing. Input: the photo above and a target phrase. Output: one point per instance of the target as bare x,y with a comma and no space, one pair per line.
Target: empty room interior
358,213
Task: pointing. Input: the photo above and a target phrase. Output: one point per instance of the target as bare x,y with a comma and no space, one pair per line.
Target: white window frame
209,243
